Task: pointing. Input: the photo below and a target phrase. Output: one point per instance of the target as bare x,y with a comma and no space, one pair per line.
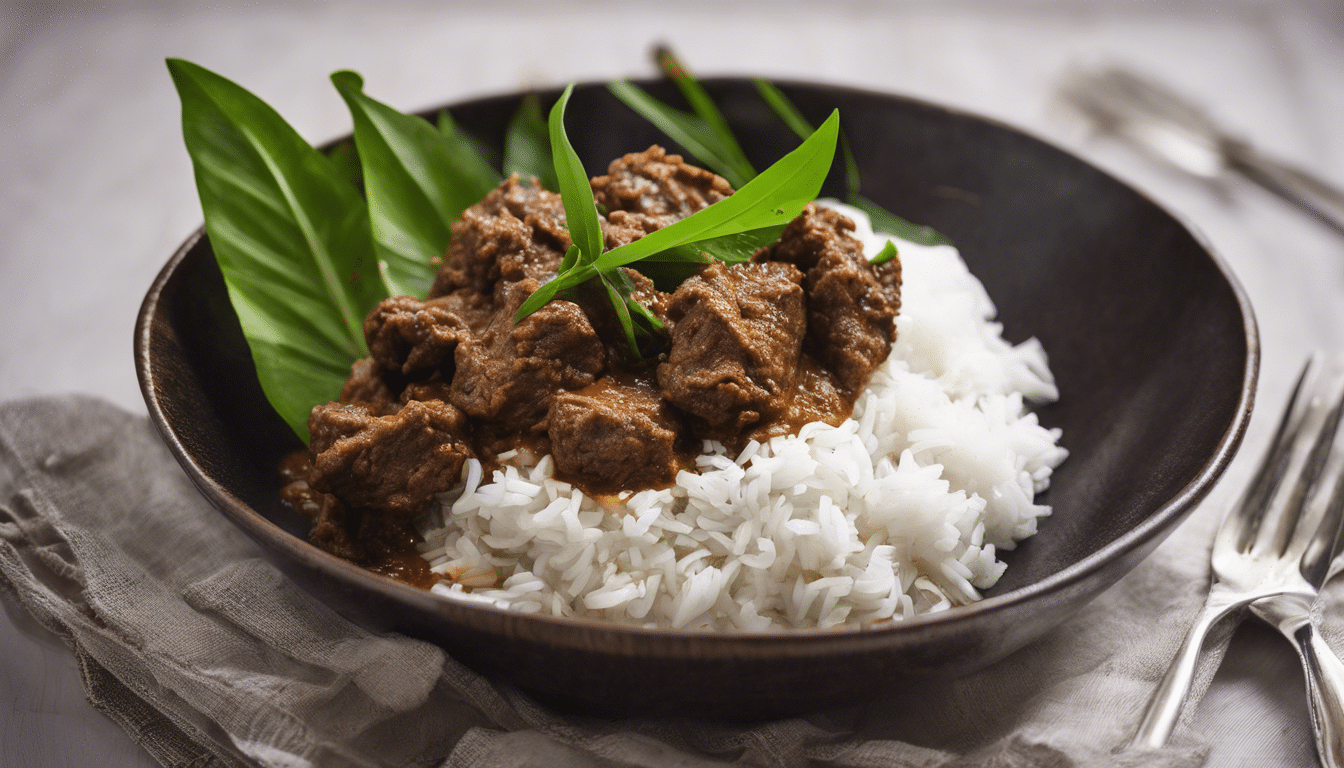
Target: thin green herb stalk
527,145
887,253
292,238
883,220
705,107
771,200
620,303
417,183
786,109
690,131
585,227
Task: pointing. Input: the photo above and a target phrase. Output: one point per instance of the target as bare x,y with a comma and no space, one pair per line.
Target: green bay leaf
292,238
418,182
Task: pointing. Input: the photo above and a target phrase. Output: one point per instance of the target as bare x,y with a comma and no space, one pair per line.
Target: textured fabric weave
207,656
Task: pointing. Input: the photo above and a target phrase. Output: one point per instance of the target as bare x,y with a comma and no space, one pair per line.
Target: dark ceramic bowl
1151,339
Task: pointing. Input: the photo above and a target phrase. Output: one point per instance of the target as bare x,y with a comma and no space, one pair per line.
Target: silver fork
1173,129
1261,543
1291,615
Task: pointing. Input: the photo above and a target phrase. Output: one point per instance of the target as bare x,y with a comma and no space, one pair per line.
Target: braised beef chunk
510,371
332,422
394,464
613,435
889,275
622,227
736,335
367,384
593,299
433,388
851,308
816,396
646,191
851,322
816,232
518,231
655,184
413,337
330,532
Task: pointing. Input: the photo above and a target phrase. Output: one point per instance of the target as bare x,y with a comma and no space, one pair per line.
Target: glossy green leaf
570,258
773,198
730,249
527,145
620,304
417,183
668,269
585,228
346,160
291,236
643,330
690,131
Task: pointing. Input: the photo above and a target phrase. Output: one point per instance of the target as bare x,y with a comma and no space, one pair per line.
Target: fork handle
1325,683
1310,192
1324,672
1159,719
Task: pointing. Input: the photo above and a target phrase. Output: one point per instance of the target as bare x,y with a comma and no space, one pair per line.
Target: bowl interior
1151,341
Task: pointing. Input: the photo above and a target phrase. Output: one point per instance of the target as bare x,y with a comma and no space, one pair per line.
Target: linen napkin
207,656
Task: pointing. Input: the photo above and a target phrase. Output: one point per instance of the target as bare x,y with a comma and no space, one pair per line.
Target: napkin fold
207,656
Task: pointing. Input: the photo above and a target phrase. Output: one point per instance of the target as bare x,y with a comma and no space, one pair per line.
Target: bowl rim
579,632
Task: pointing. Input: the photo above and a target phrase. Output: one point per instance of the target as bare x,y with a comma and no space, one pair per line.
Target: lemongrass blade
585,227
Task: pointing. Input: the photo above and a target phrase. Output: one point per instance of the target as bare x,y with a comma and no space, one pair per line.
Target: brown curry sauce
755,350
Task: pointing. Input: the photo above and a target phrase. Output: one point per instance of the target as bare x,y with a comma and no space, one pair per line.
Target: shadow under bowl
1152,342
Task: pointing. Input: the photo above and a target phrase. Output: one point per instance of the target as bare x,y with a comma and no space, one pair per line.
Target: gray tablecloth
98,191
205,654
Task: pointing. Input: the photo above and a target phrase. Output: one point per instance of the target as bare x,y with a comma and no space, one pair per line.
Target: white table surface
98,191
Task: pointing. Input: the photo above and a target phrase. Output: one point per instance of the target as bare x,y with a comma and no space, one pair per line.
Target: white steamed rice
898,511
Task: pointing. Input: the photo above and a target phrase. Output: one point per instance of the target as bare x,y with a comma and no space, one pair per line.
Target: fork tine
1325,546
1319,553
1285,515
1317,487
1243,519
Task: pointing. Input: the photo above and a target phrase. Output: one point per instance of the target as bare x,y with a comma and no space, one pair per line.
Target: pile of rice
900,510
